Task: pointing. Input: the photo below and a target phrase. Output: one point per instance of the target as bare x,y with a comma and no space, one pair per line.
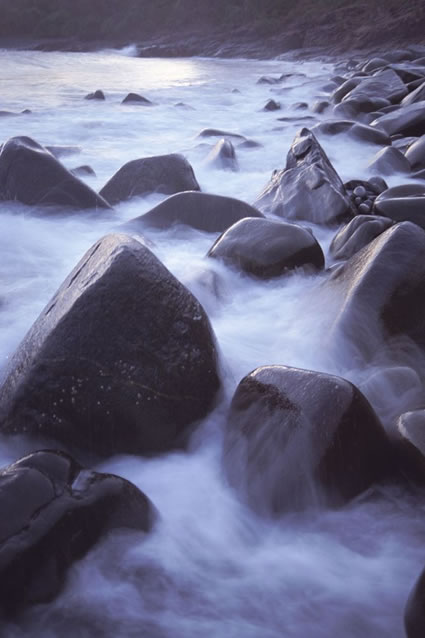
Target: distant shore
354,29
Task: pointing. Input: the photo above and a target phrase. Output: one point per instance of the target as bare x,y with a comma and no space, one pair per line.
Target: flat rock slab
297,438
121,360
52,511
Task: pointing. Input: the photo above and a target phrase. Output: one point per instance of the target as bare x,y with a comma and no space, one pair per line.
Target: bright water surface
211,568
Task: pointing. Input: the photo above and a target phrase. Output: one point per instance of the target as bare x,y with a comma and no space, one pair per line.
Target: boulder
53,512
379,293
271,105
121,360
85,171
415,154
414,614
166,174
359,232
30,174
355,107
403,203
297,438
210,213
389,161
135,98
266,248
223,156
355,130
407,120
373,64
320,106
418,95
308,188
96,95
383,84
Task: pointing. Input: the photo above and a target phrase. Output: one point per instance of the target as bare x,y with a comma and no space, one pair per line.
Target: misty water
211,567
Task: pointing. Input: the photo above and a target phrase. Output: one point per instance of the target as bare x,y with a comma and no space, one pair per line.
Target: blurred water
211,567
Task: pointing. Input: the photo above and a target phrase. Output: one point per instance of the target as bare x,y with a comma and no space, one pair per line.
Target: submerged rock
266,248
96,95
30,174
204,211
166,174
308,188
297,438
122,359
223,156
135,98
52,512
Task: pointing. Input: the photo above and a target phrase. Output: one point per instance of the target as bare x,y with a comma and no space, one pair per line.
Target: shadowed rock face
122,359
297,438
211,213
403,203
385,84
32,175
357,234
414,615
407,120
266,248
308,188
166,174
52,511
380,291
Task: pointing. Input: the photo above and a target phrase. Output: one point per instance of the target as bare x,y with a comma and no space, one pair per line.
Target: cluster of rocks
123,358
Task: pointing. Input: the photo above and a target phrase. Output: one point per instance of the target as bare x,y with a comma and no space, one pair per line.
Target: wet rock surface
166,174
30,174
266,248
122,359
53,511
211,213
308,188
297,438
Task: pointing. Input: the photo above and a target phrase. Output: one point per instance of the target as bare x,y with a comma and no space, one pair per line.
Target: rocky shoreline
123,358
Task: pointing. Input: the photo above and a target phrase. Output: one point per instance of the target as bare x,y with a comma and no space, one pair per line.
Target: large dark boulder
135,98
266,248
166,174
308,188
407,120
356,130
122,359
223,156
52,511
380,292
203,211
297,438
30,174
403,203
359,232
414,615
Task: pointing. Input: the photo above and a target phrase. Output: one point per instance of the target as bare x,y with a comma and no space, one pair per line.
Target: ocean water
210,567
